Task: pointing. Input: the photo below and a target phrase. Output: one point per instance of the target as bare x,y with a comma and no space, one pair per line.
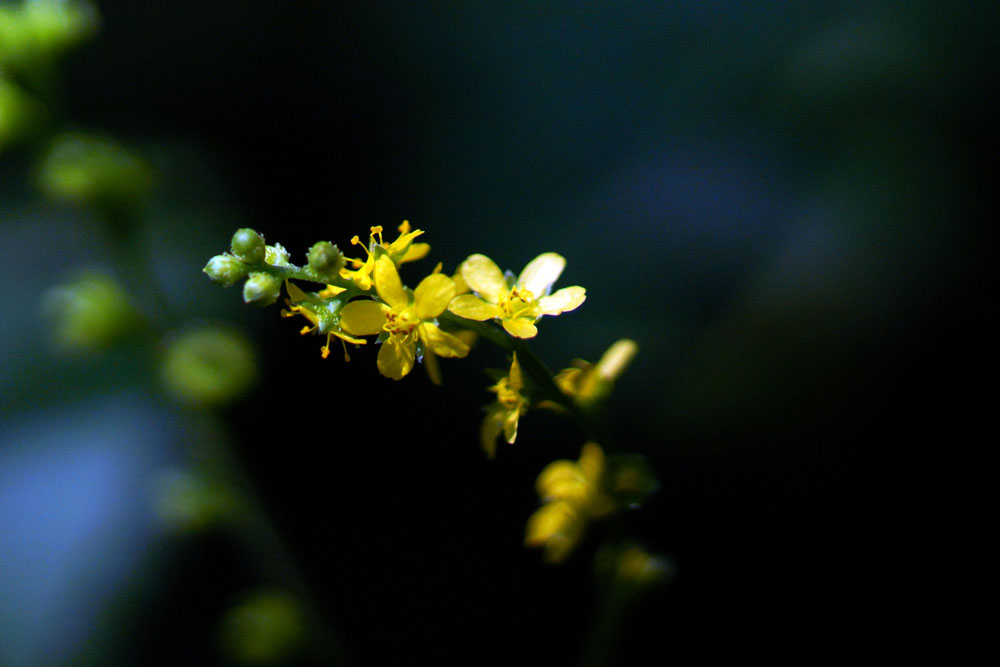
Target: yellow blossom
404,318
299,304
520,304
402,250
572,494
502,416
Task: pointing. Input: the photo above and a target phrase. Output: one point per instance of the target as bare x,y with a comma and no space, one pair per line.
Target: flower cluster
366,296
362,297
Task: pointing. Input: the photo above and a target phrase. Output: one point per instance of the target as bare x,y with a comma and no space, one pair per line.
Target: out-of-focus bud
261,289
630,569
268,628
225,269
94,171
189,501
248,245
630,480
89,313
18,113
325,259
208,366
35,31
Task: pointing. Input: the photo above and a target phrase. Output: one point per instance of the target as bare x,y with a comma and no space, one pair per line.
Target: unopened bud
261,289
225,269
325,259
248,245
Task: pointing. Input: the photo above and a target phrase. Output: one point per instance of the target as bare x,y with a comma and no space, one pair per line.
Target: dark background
788,206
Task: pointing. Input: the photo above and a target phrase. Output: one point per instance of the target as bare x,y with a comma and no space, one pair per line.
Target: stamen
377,229
405,227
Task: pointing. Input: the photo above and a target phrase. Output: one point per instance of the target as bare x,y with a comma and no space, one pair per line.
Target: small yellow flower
586,382
402,250
502,416
404,318
520,304
573,495
319,321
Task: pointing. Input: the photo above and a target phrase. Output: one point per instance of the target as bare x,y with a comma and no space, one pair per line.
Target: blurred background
786,205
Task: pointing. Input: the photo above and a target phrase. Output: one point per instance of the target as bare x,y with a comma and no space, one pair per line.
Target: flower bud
18,113
266,628
225,269
248,245
325,259
208,366
261,289
89,313
91,170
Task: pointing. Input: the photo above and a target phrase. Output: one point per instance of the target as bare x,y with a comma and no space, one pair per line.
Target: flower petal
401,246
387,282
483,275
564,300
396,357
432,295
591,462
471,307
520,328
294,293
443,344
416,251
516,381
556,526
490,430
510,426
538,276
363,317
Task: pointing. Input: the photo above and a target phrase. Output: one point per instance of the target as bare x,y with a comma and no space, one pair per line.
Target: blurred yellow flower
572,495
586,382
406,319
520,304
502,416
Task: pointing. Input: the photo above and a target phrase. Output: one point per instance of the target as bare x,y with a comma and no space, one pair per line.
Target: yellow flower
404,318
321,318
402,250
572,494
520,304
586,382
502,416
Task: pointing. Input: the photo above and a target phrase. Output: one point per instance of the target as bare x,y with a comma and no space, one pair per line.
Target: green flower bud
248,245
276,255
225,269
261,289
34,31
89,313
89,170
188,500
208,366
325,259
18,113
267,628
